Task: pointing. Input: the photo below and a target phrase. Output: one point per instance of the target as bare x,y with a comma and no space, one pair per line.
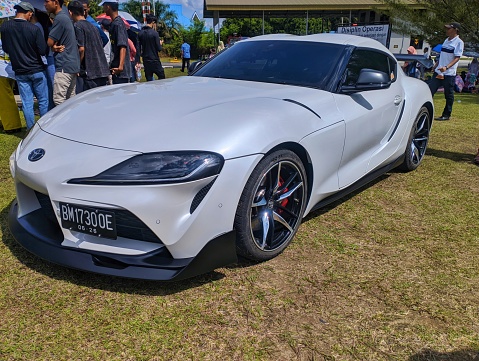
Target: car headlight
154,168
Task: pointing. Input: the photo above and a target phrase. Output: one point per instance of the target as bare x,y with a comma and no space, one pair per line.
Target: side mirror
193,66
369,79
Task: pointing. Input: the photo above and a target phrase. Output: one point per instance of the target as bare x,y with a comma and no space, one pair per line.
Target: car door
370,116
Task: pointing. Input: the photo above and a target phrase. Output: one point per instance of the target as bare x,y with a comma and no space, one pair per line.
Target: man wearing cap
445,69
150,44
120,66
63,42
25,45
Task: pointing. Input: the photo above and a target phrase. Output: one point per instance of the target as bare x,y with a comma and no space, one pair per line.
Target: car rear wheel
271,206
417,144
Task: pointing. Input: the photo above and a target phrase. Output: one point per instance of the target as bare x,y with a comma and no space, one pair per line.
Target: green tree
168,26
244,27
95,9
206,42
254,26
167,20
426,18
133,7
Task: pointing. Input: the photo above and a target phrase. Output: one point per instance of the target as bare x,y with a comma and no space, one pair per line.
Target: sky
189,6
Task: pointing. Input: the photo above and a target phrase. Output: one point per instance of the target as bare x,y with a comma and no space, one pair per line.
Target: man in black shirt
25,45
93,66
120,66
150,44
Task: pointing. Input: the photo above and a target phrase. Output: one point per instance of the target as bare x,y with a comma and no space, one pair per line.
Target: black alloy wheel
418,139
271,206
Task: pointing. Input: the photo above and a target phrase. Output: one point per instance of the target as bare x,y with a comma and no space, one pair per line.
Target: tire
417,143
271,206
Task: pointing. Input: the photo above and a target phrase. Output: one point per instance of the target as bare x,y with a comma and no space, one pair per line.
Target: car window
368,59
289,62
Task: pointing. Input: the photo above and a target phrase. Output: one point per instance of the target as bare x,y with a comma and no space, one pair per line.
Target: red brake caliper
284,202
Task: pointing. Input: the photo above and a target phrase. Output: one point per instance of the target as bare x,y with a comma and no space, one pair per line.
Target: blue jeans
28,85
50,76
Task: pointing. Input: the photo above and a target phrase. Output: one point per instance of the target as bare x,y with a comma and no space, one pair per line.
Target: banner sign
377,32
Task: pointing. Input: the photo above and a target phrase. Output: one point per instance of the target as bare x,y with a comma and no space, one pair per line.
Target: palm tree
168,26
167,22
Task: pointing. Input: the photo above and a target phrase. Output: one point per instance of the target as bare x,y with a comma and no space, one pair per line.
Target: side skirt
363,181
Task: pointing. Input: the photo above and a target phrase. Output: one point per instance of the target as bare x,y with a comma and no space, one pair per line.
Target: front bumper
40,236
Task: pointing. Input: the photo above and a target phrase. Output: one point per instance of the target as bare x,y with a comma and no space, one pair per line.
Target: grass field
388,273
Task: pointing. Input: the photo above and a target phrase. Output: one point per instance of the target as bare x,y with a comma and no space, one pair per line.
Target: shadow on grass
456,157
431,355
98,281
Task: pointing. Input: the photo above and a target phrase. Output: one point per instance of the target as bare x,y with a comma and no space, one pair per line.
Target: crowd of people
445,71
61,51
467,82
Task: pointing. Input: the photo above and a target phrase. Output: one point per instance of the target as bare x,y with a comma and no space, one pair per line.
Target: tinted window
367,59
273,61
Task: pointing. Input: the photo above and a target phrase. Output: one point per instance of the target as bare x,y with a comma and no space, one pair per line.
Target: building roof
255,8
293,4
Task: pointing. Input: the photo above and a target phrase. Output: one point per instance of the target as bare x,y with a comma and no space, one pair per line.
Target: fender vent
200,195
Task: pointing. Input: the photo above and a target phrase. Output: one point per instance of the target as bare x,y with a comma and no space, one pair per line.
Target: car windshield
300,63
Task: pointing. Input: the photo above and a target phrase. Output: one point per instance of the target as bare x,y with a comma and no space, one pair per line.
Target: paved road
171,65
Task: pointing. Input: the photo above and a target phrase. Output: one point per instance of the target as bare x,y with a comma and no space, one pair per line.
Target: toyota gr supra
173,178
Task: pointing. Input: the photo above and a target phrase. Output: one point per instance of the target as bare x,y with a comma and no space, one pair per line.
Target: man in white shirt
445,69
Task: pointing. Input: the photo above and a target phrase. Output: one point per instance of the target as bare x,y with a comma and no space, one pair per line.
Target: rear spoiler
421,59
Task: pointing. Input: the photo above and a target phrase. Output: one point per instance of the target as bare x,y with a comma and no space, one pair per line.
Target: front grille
127,224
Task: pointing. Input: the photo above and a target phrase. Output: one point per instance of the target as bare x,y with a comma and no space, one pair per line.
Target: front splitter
43,239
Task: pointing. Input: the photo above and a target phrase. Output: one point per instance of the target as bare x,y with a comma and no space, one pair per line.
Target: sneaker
442,118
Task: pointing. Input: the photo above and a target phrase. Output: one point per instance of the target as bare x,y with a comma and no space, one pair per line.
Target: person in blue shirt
86,7
185,55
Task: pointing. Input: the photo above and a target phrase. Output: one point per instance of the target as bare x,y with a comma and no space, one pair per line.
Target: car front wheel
417,144
271,206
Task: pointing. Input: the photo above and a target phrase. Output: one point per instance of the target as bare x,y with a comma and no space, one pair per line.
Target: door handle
397,100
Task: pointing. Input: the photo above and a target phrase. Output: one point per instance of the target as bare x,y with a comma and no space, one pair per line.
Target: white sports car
169,179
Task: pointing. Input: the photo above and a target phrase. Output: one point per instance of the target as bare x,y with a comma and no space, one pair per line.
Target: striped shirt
450,50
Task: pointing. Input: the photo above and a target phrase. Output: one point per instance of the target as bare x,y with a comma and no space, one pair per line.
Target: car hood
190,113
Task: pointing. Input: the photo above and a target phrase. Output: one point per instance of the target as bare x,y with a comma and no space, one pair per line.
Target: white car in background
169,179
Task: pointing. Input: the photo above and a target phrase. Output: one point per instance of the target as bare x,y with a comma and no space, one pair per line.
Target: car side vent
200,195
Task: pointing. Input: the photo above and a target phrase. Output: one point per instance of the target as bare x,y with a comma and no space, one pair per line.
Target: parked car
222,163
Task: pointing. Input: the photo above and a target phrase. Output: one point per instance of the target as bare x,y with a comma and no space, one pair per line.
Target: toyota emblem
36,154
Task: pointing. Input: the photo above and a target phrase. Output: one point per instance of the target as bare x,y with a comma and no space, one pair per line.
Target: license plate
92,221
